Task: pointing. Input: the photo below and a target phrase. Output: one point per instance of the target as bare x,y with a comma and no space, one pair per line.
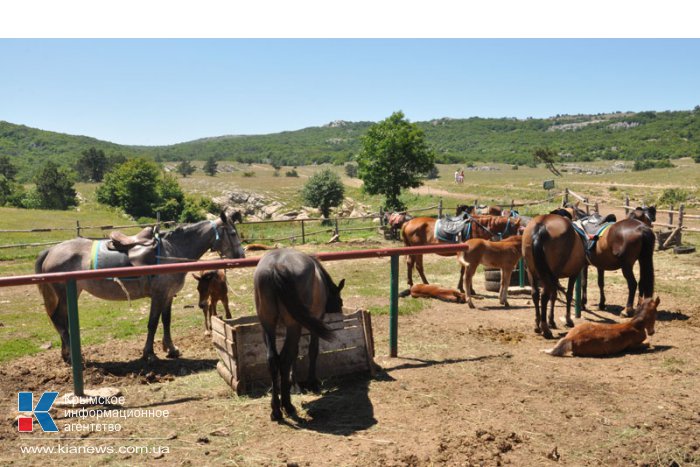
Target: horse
189,241
212,289
552,249
294,289
395,221
434,291
645,214
479,210
504,255
600,339
421,231
620,246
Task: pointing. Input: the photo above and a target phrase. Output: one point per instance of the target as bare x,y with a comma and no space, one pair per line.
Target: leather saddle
593,224
140,248
452,229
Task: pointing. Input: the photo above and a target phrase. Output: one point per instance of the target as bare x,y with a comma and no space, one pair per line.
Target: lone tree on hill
92,165
54,188
210,166
394,156
548,157
324,190
185,168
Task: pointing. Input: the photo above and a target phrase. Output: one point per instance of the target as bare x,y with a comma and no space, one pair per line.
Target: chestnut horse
434,291
421,231
626,242
212,289
552,249
600,339
504,255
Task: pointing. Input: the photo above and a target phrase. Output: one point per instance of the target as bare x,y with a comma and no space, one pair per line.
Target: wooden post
381,217
627,205
566,197
670,215
303,235
596,207
585,201
77,228
440,209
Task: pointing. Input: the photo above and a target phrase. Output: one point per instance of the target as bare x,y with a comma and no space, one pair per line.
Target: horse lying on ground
434,291
259,247
212,289
503,255
599,339
293,289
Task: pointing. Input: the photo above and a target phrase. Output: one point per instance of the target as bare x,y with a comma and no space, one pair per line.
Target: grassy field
24,327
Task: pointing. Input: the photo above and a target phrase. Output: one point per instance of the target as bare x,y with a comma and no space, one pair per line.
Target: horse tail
51,300
539,238
646,263
286,291
559,350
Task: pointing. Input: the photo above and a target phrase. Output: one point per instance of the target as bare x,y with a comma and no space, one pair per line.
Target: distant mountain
646,135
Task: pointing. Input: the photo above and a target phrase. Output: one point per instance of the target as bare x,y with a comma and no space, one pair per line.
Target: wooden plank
661,224
223,343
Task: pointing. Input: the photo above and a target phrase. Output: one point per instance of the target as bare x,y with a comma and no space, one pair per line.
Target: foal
504,255
212,289
597,339
435,291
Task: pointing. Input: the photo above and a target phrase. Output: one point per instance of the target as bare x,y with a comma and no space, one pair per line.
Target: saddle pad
104,258
590,239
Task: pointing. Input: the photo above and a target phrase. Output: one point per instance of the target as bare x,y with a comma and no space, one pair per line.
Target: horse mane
326,277
179,231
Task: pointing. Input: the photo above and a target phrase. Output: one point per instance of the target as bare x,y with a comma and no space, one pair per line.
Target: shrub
291,173
249,174
673,196
324,190
351,170
646,164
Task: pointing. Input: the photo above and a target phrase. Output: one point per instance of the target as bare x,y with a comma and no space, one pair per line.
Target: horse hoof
552,325
601,306
538,331
471,305
547,335
276,415
290,410
173,353
207,333
569,324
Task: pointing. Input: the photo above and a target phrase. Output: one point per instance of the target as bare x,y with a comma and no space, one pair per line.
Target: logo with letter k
25,403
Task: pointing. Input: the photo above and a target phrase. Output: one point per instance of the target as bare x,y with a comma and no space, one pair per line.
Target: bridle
227,231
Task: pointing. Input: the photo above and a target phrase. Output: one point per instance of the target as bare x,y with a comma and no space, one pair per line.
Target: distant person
461,176
457,176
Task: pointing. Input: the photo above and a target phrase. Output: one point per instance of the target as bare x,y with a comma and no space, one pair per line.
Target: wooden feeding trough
243,356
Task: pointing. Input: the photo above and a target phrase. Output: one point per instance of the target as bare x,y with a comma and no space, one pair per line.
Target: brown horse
293,289
212,289
552,249
619,247
600,339
395,221
435,291
421,231
504,255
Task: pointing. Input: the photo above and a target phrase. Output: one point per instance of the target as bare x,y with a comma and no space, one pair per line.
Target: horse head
645,214
334,302
646,313
227,242
464,209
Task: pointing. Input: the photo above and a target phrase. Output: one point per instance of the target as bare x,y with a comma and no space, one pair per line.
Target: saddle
590,230
452,229
141,248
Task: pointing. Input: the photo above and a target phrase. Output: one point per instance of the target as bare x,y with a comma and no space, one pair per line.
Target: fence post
76,357
440,209
303,235
394,307
577,301
670,216
585,201
566,197
381,217
627,205
521,273
337,232
77,228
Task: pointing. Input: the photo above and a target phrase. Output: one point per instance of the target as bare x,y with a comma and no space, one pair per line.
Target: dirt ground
471,387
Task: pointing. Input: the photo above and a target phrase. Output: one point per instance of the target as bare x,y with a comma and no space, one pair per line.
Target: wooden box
243,355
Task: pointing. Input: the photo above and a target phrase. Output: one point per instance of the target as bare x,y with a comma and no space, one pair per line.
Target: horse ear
341,284
223,217
196,276
657,301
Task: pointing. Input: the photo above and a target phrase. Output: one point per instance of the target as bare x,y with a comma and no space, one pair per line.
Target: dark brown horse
396,220
619,247
212,289
645,214
552,250
421,231
293,289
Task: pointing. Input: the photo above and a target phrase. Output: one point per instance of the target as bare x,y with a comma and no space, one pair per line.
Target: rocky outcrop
255,207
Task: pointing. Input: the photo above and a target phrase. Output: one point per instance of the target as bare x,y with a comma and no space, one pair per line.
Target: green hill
642,135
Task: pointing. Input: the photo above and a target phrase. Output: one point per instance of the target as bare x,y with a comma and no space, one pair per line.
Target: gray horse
188,242
294,290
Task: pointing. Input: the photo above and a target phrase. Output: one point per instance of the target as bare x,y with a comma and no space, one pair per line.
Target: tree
92,165
7,169
548,157
210,166
394,156
185,168
351,170
54,188
137,187
324,190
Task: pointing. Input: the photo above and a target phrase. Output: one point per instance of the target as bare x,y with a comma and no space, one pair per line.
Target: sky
166,91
